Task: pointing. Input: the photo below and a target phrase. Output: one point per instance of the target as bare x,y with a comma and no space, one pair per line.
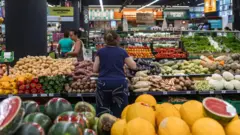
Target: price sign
43,95
147,18
50,94
238,91
34,95
79,95
10,95
223,92
211,92
188,92
165,93
7,57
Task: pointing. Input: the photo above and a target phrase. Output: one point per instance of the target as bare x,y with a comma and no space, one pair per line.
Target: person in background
112,86
206,25
77,50
65,45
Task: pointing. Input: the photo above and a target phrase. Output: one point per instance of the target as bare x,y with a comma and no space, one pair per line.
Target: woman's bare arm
76,49
131,63
96,65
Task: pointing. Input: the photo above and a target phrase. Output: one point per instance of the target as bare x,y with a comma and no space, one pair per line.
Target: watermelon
89,132
84,107
105,123
90,118
43,120
30,107
11,115
65,128
219,110
56,106
30,129
95,124
73,117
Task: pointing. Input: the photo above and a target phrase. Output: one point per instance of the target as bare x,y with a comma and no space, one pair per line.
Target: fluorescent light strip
101,4
148,5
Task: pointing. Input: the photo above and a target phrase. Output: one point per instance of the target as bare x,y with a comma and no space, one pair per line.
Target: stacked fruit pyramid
58,118
145,117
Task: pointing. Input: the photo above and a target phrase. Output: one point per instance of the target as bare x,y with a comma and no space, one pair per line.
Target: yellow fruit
233,128
173,126
207,126
159,107
178,106
146,98
141,110
118,127
166,111
139,126
235,118
124,112
191,111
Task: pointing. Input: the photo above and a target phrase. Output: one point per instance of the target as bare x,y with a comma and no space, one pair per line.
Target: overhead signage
210,6
215,24
146,18
177,15
60,11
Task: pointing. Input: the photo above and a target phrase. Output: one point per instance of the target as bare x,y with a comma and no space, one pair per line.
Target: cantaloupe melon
146,98
173,126
139,126
233,128
191,111
124,112
141,110
166,111
207,126
118,127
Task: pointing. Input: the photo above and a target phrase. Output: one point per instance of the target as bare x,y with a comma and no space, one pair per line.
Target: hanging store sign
210,6
96,14
147,18
60,11
177,15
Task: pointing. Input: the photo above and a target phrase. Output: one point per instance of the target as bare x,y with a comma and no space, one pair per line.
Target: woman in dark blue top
112,88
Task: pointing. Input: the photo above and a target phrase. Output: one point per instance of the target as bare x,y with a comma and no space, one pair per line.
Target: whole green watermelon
65,128
84,107
73,117
30,129
90,118
43,120
11,115
30,107
56,106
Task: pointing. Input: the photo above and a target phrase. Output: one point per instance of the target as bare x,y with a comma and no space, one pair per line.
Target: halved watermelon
30,129
73,117
89,132
219,110
30,107
11,115
84,107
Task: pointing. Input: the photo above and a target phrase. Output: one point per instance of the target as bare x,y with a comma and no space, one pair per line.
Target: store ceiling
137,2
144,2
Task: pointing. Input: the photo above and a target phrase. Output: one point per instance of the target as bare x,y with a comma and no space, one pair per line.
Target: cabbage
228,76
236,84
217,77
216,84
228,86
237,77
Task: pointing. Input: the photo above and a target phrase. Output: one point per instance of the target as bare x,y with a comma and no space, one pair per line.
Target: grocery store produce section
166,72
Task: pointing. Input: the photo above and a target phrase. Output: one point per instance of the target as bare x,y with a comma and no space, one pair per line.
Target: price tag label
43,95
238,91
223,92
7,55
34,95
50,94
165,93
211,92
188,92
10,95
79,95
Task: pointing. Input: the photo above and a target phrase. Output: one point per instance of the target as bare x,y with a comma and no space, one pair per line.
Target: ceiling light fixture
148,5
101,4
